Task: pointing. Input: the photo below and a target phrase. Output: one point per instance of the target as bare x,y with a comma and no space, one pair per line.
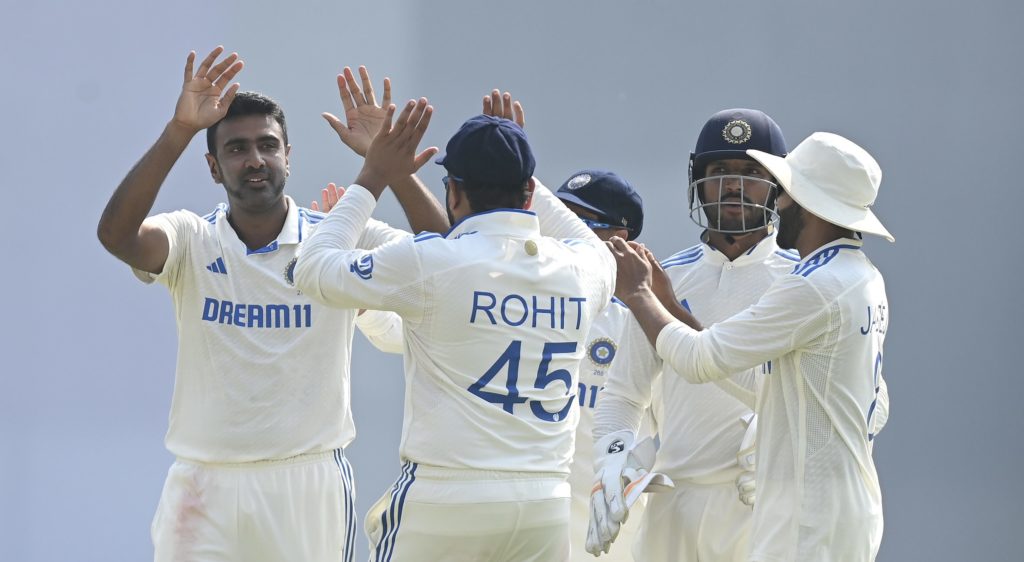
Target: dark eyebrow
243,140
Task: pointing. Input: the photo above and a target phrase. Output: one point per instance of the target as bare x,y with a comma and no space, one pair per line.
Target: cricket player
260,415
702,426
609,206
495,317
822,326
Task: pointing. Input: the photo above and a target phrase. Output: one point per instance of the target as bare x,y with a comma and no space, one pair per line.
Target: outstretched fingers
204,67
502,105
421,129
335,123
368,95
404,118
343,93
229,96
385,125
188,65
496,109
217,70
519,116
387,92
229,74
353,86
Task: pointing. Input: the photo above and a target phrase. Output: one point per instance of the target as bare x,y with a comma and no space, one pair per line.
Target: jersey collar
296,225
514,223
755,254
840,243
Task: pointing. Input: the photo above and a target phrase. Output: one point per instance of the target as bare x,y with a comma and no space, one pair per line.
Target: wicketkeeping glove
746,482
622,472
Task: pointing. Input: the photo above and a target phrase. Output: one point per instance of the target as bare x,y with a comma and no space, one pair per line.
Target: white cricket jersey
822,326
700,425
495,318
262,370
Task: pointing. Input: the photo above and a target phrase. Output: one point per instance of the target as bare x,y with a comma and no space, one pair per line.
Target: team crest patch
289,271
737,132
578,181
602,351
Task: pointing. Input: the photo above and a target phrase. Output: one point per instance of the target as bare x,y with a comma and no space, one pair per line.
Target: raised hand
501,105
661,285
329,195
203,100
633,274
363,116
392,154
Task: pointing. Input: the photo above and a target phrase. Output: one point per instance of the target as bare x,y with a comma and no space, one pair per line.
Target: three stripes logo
218,267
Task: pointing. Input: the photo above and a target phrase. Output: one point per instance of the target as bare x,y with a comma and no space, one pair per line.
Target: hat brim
577,201
818,203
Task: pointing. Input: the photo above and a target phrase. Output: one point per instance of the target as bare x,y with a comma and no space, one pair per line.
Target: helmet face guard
733,204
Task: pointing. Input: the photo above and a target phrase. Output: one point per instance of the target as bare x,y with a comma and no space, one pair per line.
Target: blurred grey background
932,89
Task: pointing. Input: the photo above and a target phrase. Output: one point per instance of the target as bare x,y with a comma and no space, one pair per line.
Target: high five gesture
203,100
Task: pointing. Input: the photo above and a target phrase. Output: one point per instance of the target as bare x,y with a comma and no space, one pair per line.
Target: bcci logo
289,271
577,182
737,132
602,351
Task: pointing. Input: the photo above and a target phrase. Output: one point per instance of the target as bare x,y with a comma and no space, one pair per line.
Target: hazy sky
931,89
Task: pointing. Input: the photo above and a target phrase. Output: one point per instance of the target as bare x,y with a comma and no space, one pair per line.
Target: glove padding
746,483
623,472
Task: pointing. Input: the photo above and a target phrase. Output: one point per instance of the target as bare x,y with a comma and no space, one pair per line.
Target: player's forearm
650,313
424,211
118,229
555,219
325,258
615,413
680,346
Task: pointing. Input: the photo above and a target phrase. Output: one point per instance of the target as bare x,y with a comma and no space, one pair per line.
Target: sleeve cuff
361,194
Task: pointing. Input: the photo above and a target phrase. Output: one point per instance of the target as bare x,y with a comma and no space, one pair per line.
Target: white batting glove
623,472
746,483
607,504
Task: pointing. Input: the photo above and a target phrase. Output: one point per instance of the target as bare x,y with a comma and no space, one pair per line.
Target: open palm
363,116
201,103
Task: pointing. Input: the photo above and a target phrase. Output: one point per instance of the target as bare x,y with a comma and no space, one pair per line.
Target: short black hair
486,197
244,104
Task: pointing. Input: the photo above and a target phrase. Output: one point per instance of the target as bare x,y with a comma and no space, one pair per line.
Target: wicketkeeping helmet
728,135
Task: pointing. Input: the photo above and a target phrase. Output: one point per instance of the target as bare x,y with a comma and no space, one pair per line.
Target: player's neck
817,233
257,229
733,245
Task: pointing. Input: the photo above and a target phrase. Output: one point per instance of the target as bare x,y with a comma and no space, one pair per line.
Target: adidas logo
218,267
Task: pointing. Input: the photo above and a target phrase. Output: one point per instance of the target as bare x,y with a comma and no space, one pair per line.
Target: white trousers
302,508
440,514
694,523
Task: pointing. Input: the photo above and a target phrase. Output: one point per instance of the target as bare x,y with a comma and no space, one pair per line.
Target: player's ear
287,165
530,185
211,160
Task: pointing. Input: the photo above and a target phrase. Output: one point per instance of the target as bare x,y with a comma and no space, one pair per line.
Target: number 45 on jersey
510,359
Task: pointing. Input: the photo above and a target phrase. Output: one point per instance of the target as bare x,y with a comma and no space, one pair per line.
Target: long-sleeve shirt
822,326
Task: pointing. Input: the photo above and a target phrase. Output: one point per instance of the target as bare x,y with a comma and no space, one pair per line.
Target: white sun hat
832,178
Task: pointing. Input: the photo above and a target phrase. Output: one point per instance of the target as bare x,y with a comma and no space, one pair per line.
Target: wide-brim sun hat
833,178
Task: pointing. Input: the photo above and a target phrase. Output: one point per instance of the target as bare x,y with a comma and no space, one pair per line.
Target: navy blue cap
730,133
489,150
608,195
